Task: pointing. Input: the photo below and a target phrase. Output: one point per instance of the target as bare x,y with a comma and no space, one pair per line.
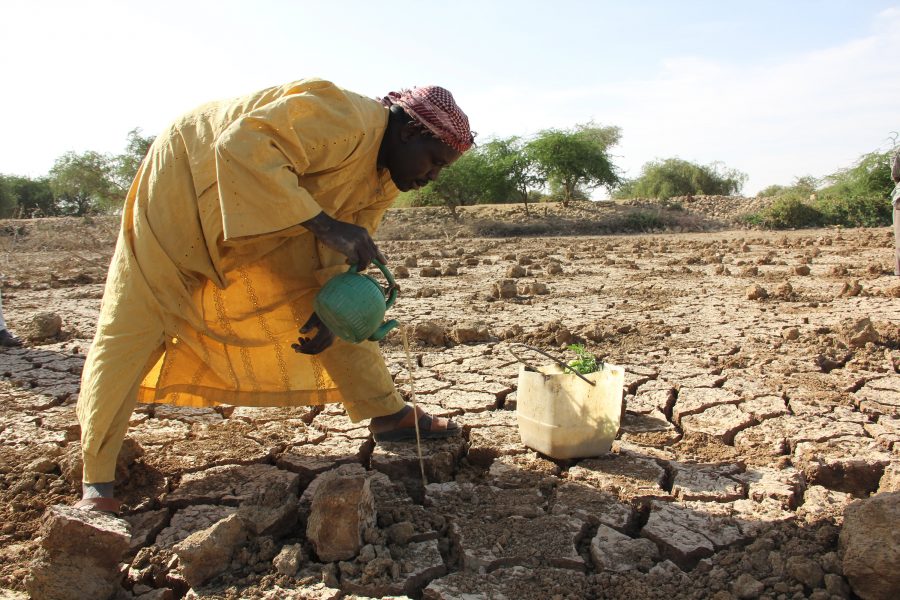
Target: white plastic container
563,416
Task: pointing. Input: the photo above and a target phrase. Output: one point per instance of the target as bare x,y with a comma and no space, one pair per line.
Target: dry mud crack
750,424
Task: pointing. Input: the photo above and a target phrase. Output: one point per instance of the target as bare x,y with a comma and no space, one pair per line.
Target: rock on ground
205,554
870,546
342,508
79,555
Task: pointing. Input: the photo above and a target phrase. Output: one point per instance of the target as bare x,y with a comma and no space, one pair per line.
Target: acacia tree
508,156
478,177
125,166
576,158
82,183
458,185
663,179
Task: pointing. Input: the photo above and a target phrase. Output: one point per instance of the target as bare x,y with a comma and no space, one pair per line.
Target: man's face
418,159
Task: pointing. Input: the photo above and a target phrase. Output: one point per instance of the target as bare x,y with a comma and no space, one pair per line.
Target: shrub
677,177
864,211
787,213
642,221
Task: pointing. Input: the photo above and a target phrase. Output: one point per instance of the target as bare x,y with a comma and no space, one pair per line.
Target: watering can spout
383,330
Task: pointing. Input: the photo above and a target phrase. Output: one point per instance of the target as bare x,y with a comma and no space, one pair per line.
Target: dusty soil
758,406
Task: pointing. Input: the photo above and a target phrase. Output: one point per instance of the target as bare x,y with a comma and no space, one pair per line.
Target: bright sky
775,88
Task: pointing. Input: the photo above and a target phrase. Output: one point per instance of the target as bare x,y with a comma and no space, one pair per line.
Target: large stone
805,570
505,288
79,555
207,553
614,551
42,326
190,520
430,333
342,508
870,546
746,587
468,333
856,333
289,559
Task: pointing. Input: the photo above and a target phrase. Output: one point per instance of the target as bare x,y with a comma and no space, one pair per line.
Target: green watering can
352,305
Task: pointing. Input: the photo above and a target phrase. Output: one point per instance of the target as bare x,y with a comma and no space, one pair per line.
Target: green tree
125,166
83,183
483,175
517,169
676,177
465,182
33,197
575,159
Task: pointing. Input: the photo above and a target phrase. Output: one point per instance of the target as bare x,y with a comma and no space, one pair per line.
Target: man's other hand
318,343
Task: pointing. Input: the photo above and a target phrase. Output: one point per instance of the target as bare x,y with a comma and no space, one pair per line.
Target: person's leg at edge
897,238
105,411
128,342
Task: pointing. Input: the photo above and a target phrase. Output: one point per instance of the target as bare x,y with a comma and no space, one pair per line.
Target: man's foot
8,340
99,497
402,426
106,505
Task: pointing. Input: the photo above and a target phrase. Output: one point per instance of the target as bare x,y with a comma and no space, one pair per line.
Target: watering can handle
551,357
391,291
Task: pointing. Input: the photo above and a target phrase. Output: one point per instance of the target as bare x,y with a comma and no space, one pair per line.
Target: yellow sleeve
260,158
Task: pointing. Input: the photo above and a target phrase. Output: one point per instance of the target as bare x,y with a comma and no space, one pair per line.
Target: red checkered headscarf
433,108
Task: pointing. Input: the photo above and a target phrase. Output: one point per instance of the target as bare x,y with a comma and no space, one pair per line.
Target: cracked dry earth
762,397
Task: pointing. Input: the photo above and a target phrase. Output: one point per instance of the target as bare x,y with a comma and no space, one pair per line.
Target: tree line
78,184
555,164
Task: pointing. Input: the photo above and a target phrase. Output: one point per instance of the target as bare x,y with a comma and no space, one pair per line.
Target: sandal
106,505
430,428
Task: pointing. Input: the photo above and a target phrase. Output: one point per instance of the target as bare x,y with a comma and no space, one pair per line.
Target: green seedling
585,362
